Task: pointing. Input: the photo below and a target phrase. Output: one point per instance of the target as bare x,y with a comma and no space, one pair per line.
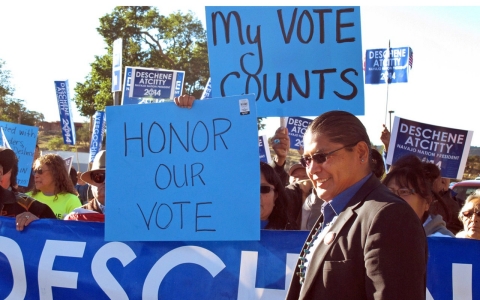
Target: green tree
177,41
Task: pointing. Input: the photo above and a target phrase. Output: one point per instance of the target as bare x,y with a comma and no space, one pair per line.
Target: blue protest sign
264,149
294,59
22,140
296,127
155,84
382,66
117,66
179,170
447,148
91,268
207,92
64,107
97,135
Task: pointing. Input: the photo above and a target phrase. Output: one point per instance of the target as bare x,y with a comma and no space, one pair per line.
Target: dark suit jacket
379,252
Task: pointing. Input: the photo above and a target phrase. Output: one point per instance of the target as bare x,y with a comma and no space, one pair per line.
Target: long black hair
278,219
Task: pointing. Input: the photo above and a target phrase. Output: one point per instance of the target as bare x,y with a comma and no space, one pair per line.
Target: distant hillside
474,151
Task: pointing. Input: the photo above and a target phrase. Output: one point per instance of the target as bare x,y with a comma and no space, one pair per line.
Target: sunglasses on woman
469,213
39,171
98,177
265,189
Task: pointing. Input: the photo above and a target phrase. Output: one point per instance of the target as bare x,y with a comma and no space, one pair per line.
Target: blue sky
43,42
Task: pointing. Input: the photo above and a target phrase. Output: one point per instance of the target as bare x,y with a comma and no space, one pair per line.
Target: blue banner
64,107
382,66
47,261
447,148
180,158
22,140
155,84
97,135
294,59
296,127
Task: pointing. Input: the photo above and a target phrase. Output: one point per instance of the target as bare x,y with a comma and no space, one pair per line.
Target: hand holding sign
281,145
184,101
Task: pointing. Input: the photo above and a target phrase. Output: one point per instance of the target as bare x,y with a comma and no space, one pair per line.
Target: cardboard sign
22,140
382,66
294,59
296,127
185,174
447,148
264,149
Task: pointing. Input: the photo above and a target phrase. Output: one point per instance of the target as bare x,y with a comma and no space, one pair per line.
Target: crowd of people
360,212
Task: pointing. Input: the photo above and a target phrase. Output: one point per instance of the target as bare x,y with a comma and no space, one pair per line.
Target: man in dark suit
368,243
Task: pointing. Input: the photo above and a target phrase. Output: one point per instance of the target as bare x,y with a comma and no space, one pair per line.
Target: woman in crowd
273,200
12,204
470,217
408,180
53,185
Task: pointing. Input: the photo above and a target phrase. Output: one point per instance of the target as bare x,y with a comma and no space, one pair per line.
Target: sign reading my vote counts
294,59
180,174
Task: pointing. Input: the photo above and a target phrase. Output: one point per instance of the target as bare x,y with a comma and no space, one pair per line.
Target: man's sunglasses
98,177
468,213
265,189
320,158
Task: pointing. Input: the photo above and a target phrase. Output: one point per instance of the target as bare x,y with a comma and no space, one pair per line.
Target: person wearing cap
25,209
94,210
53,185
298,190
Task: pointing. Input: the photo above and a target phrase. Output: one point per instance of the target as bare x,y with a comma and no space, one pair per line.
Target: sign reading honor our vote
179,174
22,140
447,148
294,59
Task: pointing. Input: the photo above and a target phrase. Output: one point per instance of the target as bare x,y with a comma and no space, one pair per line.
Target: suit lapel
323,249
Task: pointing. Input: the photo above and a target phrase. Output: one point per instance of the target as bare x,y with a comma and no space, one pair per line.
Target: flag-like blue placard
447,148
97,134
64,107
294,59
382,66
296,127
93,268
264,149
179,159
117,66
207,92
22,140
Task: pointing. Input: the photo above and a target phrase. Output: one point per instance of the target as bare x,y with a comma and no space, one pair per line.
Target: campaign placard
155,83
264,149
64,107
296,127
445,147
22,139
180,169
294,59
384,66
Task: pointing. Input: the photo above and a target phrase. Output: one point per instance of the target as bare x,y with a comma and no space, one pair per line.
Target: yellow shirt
63,205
